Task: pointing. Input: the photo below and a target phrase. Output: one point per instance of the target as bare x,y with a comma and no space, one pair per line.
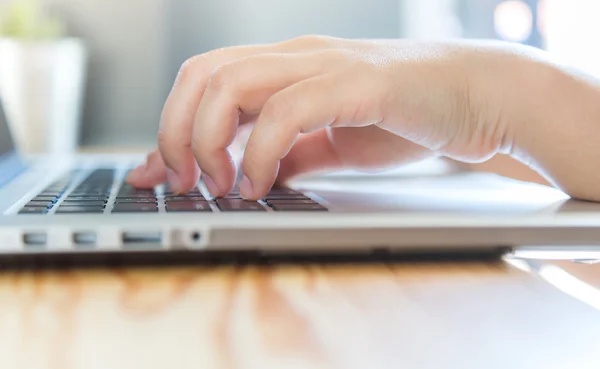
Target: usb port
141,240
85,239
35,240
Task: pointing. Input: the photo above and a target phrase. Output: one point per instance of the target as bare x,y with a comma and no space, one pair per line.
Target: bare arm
558,134
322,103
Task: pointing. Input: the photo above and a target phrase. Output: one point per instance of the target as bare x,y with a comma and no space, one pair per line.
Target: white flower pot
42,86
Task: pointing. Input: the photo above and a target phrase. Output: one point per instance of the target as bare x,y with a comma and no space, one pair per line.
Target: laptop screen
6,143
11,166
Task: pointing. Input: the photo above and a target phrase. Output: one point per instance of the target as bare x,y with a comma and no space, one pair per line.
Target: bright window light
513,21
571,29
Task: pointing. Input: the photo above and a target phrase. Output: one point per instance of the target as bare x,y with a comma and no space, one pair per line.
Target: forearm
556,122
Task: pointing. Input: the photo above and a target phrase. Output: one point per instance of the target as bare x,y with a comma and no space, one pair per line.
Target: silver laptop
81,205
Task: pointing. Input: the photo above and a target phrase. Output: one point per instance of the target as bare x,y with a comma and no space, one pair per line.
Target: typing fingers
174,138
307,106
242,87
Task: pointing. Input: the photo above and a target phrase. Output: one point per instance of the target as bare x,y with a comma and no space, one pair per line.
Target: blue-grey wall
137,47
199,26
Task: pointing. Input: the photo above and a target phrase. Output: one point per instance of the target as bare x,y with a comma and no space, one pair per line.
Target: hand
319,103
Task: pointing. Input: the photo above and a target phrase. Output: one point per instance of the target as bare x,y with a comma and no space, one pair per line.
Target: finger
174,137
242,87
149,174
182,103
315,103
312,153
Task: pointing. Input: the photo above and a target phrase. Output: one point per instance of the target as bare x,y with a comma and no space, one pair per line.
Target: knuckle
236,77
220,78
188,68
305,41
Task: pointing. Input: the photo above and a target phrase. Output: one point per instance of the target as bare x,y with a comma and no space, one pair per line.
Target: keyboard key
290,207
191,193
82,203
39,204
232,196
101,187
133,200
97,194
135,195
292,202
137,192
50,194
239,205
190,206
33,210
135,208
44,198
184,198
286,197
127,188
79,210
86,198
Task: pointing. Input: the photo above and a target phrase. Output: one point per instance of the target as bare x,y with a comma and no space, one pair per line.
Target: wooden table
411,315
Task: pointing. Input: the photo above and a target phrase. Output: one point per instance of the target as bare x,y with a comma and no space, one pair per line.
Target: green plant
26,19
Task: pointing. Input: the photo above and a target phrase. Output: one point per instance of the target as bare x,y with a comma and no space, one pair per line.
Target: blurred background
110,81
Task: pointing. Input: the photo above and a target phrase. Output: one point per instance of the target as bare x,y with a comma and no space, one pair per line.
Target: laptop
80,205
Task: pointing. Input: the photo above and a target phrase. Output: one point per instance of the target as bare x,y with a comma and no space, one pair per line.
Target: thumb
149,174
368,149
311,153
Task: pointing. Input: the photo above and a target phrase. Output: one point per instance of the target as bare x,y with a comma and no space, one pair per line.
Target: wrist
556,127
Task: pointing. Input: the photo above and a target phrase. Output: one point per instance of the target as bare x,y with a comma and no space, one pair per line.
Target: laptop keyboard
93,196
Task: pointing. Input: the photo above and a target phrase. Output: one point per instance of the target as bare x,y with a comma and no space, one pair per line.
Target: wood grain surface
414,315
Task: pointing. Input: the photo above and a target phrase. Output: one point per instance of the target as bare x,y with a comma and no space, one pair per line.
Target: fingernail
246,189
211,186
173,180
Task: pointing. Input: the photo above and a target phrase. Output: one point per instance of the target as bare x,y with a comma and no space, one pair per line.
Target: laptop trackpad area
466,193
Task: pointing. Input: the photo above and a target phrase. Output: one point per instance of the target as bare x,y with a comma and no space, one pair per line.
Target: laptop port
196,237
83,239
141,240
35,239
